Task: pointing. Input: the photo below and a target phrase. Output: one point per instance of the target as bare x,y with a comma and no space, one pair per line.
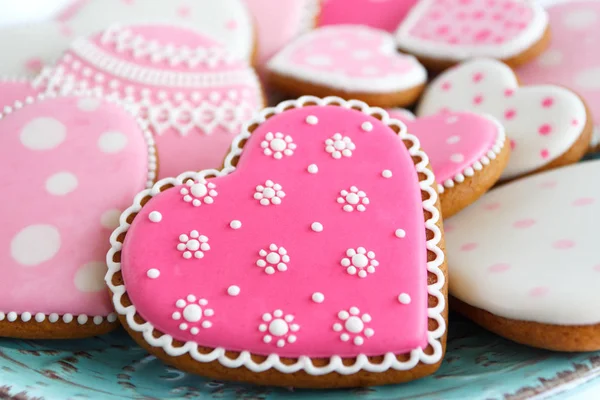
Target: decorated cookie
194,93
442,33
33,46
467,152
313,259
14,89
525,260
572,60
349,61
548,126
70,165
380,14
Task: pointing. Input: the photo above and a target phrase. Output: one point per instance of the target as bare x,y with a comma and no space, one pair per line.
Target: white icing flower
278,145
278,329
339,146
353,326
353,199
359,262
270,193
273,258
193,314
193,245
199,192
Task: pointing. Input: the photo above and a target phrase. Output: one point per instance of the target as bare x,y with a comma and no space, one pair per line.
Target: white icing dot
404,298
318,297
313,169
90,277
53,318
82,319
35,244
112,317
40,317
400,233
26,316
457,158
153,273
354,324
386,173
312,120
155,216
588,78
98,319
43,134
317,227
550,58
112,142
233,290
367,126
192,313
278,327
235,224
579,19
61,183
453,139
67,318
110,219
88,104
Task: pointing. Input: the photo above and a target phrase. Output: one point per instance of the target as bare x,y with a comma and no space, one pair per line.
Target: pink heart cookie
350,61
71,164
309,244
548,126
191,90
380,14
12,90
466,151
572,59
444,32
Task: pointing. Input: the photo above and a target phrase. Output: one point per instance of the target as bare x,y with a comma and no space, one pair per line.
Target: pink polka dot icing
72,164
572,58
380,14
307,245
541,130
535,245
192,91
351,58
461,29
458,144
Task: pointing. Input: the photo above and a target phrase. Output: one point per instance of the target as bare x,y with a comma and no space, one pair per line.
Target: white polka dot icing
543,122
526,250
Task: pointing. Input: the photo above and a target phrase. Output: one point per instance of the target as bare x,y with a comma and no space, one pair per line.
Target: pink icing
311,178
381,14
453,141
11,91
473,22
74,164
193,122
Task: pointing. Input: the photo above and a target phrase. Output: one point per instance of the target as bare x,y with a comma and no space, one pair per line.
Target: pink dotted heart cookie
548,126
442,33
71,165
525,262
380,14
313,259
467,153
191,90
349,61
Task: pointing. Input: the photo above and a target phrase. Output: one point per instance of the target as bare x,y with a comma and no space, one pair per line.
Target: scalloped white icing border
304,363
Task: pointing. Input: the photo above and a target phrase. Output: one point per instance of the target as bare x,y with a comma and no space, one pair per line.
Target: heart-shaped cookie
350,61
548,125
319,242
12,90
525,262
444,32
467,153
380,14
69,167
194,93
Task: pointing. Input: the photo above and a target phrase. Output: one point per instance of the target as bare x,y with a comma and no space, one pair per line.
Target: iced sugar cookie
442,33
194,93
27,49
525,261
380,14
349,61
313,259
467,152
572,58
69,167
548,126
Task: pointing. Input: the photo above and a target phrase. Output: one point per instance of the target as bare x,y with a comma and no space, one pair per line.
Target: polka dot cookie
572,59
191,90
349,61
304,219
468,152
379,14
548,126
525,261
71,165
442,33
